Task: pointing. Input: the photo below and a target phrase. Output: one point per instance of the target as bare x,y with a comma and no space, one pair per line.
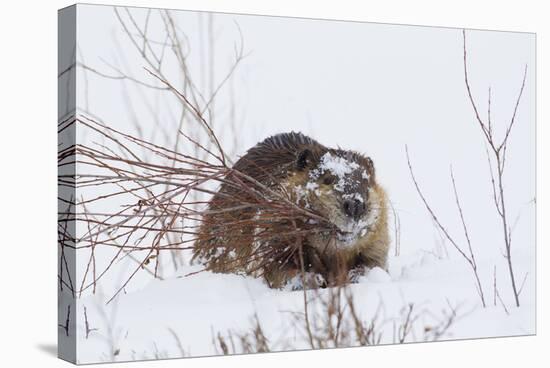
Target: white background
28,284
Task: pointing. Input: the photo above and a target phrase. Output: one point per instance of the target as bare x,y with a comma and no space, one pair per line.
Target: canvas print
235,184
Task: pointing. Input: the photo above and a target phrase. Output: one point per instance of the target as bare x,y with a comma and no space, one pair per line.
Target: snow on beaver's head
341,186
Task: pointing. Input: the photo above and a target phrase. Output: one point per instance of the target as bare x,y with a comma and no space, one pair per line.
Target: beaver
298,214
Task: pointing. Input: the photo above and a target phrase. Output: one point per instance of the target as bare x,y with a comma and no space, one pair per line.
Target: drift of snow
183,313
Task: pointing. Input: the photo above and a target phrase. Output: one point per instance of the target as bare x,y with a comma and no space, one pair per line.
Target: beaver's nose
354,208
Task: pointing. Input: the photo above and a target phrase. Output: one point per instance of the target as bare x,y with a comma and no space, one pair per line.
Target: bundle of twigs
144,202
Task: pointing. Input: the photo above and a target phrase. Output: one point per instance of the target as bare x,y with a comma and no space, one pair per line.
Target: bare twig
65,327
397,230
470,259
498,156
87,325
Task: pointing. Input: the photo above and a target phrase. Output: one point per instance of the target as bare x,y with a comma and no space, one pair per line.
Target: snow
192,309
377,275
312,186
351,229
301,195
338,166
355,196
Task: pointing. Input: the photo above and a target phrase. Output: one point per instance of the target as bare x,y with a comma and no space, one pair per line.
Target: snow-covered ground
181,315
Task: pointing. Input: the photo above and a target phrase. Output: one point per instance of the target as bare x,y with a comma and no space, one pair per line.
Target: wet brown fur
236,237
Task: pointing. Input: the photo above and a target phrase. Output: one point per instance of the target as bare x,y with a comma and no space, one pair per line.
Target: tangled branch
152,186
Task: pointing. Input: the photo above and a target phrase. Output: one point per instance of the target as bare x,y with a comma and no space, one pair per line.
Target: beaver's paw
354,275
312,281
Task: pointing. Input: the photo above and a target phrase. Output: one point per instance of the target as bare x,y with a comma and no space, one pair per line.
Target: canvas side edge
66,267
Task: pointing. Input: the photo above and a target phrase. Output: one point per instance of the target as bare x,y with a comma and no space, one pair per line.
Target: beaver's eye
328,180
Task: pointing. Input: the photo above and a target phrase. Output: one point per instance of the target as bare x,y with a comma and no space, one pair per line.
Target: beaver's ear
370,166
304,159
